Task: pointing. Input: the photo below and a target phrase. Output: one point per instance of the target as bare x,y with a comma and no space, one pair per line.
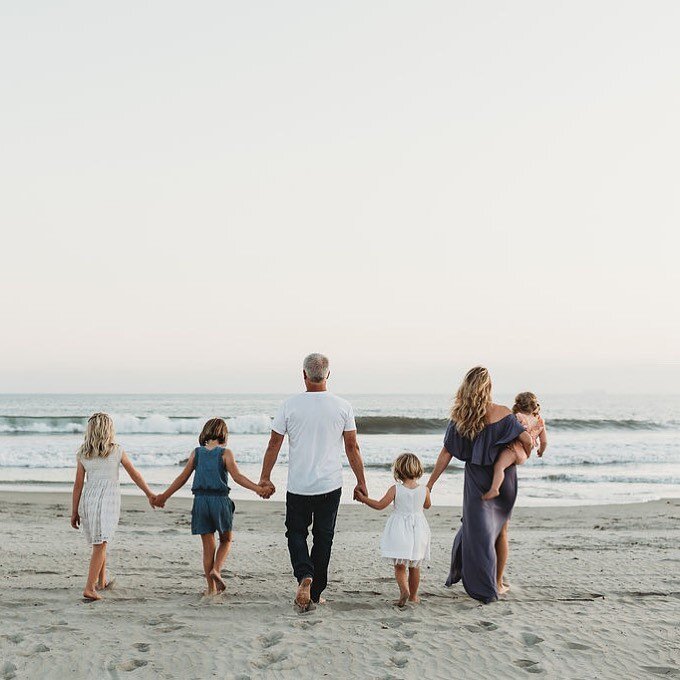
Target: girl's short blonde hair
99,437
526,402
214,430
407,466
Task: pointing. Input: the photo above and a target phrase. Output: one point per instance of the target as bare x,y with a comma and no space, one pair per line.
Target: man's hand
75,520
360,489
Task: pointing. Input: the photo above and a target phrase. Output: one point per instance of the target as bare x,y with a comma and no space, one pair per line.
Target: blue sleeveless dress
212,510
473,557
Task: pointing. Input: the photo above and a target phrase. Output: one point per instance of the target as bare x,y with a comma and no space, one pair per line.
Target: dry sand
595,594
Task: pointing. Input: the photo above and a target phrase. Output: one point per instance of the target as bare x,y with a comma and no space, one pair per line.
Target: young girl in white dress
406,539
96,495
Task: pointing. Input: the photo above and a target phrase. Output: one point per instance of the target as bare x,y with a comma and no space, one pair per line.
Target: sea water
602,448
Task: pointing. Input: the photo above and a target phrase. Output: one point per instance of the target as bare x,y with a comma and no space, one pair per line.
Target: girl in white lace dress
406,539
96,495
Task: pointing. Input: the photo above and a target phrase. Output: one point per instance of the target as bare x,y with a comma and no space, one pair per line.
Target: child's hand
75,520
360,496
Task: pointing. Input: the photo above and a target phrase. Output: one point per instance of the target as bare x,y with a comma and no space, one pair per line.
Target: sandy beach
595,593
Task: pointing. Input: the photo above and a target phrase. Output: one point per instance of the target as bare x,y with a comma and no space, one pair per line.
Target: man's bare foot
107,586
491,493
414,599
503,588
91,594
302,596
321,600
220,585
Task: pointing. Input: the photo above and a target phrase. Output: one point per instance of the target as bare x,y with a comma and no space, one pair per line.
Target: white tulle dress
406,538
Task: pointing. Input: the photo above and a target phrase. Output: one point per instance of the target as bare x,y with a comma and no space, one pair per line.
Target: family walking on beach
490,439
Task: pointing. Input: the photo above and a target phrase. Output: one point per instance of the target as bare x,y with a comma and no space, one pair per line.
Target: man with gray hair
319,425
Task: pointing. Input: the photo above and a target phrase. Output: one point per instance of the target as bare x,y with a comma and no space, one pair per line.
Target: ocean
602,448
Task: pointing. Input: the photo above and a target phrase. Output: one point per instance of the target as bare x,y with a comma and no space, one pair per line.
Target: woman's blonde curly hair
99,437
472,401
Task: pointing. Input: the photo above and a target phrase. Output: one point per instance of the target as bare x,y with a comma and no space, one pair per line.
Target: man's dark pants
321,512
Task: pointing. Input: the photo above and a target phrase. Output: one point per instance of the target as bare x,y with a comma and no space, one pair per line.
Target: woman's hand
75,520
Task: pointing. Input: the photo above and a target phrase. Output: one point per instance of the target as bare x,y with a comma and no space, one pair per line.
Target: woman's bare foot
91,594
414,599
107,586
503,588
491,493
218,581
302,596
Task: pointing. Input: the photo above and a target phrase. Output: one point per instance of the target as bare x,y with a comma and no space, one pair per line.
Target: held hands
157,501
360,493
267,489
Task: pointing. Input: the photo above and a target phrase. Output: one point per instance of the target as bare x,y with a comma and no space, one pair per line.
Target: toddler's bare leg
208,541
414,584
505,459
220,557
402,582
98,557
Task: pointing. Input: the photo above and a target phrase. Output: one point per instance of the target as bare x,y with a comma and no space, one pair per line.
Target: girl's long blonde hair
472,401
99,437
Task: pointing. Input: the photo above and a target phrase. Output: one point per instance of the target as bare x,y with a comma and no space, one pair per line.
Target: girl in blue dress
212,510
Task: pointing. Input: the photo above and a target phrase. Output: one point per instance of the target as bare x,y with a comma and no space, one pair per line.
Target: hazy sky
195,195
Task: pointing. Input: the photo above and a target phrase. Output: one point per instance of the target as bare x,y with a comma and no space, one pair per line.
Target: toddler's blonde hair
526,402
407,466
99,437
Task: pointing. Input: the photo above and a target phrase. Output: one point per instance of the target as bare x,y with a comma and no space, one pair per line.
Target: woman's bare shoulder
497,412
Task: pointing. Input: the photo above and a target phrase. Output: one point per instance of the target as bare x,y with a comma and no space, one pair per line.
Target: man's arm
355,461
270,456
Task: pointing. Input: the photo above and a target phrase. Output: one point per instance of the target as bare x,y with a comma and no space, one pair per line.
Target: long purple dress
473,557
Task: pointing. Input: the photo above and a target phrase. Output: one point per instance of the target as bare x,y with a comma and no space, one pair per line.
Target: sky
196,195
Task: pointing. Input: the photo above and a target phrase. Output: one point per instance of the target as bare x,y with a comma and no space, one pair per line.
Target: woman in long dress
96,495
478,431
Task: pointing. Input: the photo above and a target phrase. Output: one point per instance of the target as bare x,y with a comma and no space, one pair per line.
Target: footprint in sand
529,639
662,670
486,625
8,670
270,640
401,646
399,661
528,665
270,659
16,638
132,665
40,649
142,646
577,645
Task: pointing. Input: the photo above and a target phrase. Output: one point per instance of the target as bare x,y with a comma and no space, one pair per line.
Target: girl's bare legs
413,584
505,459
96,561
220,557
402,582
209,561
101,578
502,550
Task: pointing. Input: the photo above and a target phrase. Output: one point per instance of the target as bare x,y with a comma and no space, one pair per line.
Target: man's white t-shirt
314,422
